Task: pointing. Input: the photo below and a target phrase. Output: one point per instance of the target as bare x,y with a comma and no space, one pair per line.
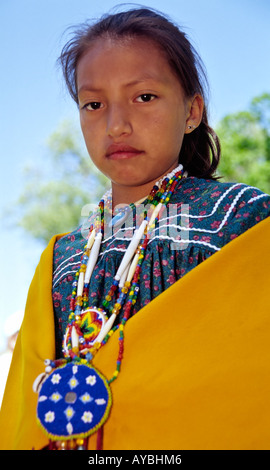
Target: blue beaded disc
74,401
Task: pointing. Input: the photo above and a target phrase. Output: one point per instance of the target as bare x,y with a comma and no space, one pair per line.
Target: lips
121,152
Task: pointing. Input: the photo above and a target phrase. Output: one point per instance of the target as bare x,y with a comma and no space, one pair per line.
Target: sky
232,37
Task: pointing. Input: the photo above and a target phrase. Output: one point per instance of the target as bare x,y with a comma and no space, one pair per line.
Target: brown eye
93,106
146,97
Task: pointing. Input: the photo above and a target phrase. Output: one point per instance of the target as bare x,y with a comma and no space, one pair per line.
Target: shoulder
221,211
70,243
209,193
67,253
215,188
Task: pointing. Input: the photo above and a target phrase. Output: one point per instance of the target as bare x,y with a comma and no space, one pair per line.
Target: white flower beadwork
87,417
91,380
49,417
56,378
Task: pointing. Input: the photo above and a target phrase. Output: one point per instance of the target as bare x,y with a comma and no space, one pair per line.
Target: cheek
157,128
169,121
89,134
178,128
168,131
83,128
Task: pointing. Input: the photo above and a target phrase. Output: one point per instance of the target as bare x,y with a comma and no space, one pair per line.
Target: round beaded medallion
91,322
88,325
74,400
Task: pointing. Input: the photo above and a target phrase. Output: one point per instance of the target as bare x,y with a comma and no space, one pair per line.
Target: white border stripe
63,275
257,197
65,261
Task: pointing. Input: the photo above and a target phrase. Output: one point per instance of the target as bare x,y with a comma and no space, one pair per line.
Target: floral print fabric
202,217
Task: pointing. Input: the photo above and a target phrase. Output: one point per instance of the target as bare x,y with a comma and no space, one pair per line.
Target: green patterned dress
203,216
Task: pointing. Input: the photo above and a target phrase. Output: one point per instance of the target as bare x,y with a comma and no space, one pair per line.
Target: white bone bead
93,257
107,327
74,339
65,349
80,284
133,267
131,249
124,277
91,239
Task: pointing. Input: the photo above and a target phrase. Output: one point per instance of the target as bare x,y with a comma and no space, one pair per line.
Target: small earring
191,127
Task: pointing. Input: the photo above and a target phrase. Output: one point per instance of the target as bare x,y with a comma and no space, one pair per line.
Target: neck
131,194
127,195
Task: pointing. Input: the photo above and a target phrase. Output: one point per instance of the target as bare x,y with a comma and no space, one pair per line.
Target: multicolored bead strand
119,298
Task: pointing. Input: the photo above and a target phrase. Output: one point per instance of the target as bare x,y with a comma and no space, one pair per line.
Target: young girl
153,332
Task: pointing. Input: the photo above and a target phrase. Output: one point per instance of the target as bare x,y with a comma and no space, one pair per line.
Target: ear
195,107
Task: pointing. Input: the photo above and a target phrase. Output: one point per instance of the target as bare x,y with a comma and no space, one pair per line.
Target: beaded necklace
74,397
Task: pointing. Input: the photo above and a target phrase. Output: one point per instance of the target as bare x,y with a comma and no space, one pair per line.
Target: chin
132,182
128,179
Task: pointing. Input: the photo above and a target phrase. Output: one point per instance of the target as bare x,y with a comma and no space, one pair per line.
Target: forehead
124,58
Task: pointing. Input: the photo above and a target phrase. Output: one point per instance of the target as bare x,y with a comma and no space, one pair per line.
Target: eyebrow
137,81
144,78
88,88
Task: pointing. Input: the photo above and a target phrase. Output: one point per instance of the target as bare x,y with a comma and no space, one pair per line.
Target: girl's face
133,113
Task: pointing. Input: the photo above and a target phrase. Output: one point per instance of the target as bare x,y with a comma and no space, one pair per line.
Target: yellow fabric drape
196,368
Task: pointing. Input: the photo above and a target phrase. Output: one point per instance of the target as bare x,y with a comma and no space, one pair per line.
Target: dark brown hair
200,151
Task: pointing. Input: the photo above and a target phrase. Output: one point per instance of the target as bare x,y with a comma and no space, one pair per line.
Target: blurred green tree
57,189
245,144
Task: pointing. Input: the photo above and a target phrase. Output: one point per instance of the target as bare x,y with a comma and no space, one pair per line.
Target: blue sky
232,37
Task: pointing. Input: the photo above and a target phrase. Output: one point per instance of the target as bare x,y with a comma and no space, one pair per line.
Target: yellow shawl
196,368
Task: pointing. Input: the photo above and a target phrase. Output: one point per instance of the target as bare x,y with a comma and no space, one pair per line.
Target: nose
118,121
